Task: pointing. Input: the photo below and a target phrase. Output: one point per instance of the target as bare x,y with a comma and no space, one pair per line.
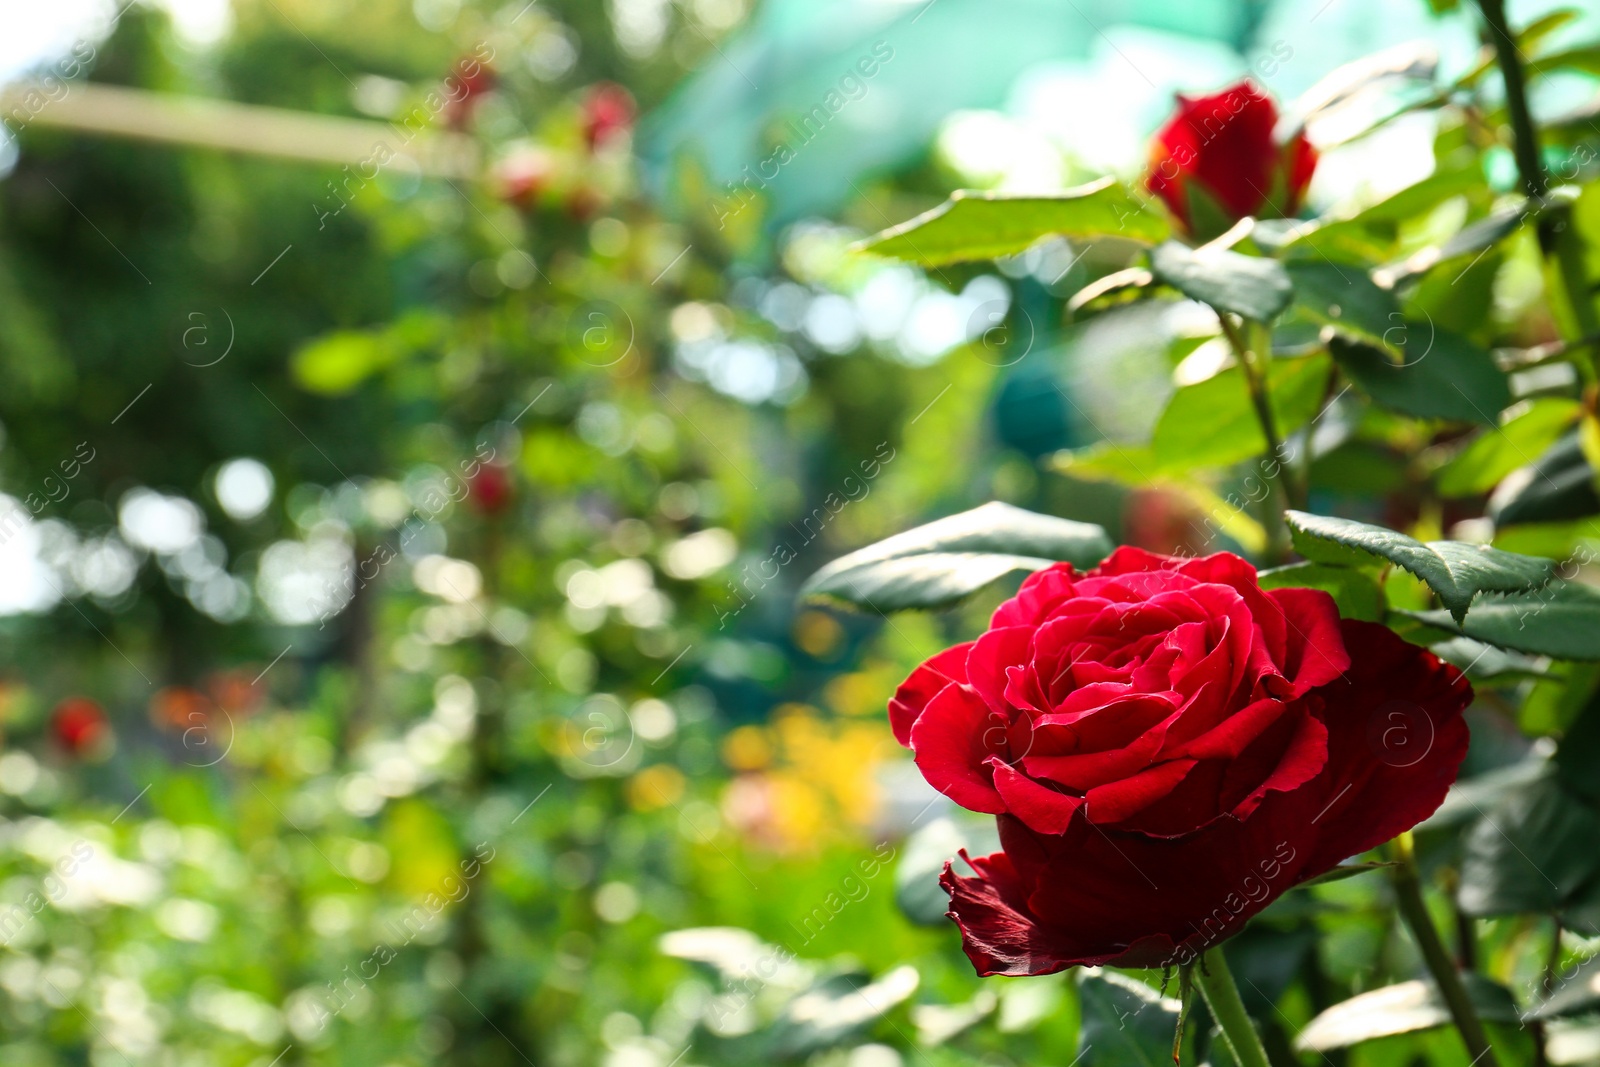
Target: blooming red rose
78,724
1169,747
1217,161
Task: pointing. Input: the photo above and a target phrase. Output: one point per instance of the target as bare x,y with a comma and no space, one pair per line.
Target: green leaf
837,1008
945,560
1499,450
975,225
1469,798
1346,299
1471,240
1356,593
1125,1022
1577,993
1484,663
1579,755
1401,1009
1585,60
916,877
1444,376
1251,286
1214,424
1559,485
338,362
1531,852
1108,461
1454,570
1562,621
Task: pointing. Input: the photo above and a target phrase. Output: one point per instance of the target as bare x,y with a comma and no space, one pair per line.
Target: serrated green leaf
1499,450
1356,593
945,560
1454,570
977,225
1561,620
1443,376
1251,286
1213,423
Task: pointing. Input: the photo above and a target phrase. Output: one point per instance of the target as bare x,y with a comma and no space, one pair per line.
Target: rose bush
1168,748
1218,160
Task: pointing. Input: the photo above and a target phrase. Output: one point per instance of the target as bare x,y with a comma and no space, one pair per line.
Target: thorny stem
1408,890
1222,997
1252,343
1185,996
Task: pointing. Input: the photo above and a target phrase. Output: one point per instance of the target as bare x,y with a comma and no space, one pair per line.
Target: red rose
608,110
468,83
78,724
490,490
1169,747
1216,161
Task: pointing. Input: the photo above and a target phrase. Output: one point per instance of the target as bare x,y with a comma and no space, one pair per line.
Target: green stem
1526,145
1408,888
1556,236
1222,997
1254,349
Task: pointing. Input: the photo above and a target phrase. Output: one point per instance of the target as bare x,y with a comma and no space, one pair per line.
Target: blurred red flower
1217,160
79,725
608,110
490,489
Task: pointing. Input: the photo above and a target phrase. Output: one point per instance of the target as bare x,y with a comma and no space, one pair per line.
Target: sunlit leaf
1213,423
1499,450
945,560
1400,1009
1252,286
978,225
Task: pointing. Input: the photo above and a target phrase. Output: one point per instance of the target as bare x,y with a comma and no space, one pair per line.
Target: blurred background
417,418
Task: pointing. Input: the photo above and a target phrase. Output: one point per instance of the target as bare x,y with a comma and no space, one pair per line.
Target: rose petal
953,737
1315,653
1116,801
924,684
1039,595
1043,809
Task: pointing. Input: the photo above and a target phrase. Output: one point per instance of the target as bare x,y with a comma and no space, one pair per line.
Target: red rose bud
1169,748
468,82
490,490
1216,162
79,725
608,110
